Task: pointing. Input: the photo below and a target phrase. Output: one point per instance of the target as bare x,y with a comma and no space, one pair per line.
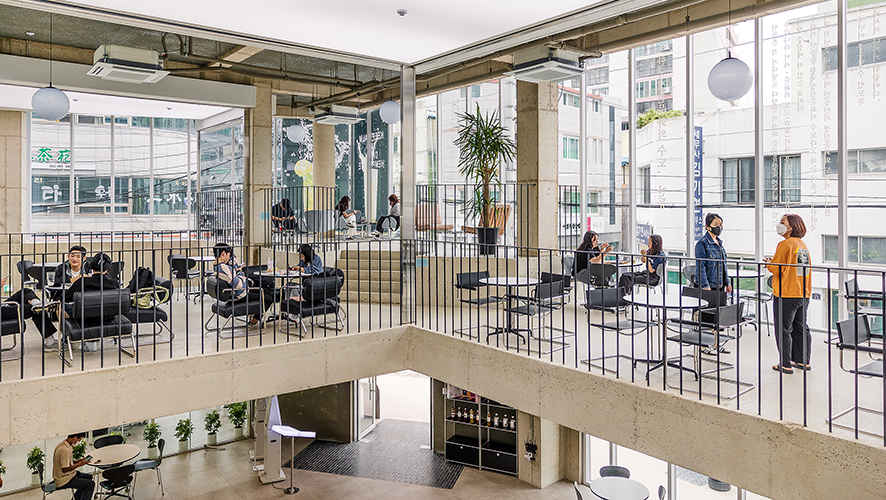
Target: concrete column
258,176
558,456
537,164
324,156
13,154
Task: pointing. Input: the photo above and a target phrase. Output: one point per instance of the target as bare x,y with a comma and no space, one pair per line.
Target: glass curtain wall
111,158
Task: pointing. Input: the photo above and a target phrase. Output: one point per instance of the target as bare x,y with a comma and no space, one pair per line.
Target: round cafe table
619,488
113,455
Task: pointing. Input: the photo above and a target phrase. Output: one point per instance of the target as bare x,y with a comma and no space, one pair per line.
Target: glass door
366,406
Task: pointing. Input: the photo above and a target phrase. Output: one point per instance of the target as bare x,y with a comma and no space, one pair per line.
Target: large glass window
570,148
782,180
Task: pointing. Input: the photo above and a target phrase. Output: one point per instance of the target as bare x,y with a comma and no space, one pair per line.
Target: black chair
23,267
597,275
12,328
116,269
689,275
546,298
859,299
181,270
855,337
320,296
551,277
97,315
147,464
225,307
154,314
605,299
468,287
611,300
707,332
117,480
108,441
615,471
50,486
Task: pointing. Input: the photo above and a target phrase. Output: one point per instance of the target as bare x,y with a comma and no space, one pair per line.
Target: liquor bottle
459,415
472,415
496,420
452,414
514,423
504,422
488,418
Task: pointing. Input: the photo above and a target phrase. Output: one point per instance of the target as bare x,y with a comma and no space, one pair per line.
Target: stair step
369,286
372,298
371,275
375,255
368,264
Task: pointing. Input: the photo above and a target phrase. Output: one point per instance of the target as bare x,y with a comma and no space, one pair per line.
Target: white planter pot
238,432
212,439
183,446
153,453
35,479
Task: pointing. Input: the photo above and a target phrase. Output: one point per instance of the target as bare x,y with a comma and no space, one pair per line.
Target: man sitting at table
227,270
94,278
64,468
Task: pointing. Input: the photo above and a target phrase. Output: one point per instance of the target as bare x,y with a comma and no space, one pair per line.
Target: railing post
407,190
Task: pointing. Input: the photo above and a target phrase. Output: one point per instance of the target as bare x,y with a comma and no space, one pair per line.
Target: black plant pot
718,485
488,238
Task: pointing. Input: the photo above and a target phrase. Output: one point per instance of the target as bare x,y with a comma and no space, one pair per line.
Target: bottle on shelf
488,418
472,416
514,423
496,420
459,414
504,422
452,414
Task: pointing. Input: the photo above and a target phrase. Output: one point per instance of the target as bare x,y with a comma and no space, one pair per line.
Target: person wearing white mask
792,287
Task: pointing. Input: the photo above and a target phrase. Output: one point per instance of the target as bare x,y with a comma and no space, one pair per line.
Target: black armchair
319,297
12,328
866,359
225,307
116,481
96,315
153,314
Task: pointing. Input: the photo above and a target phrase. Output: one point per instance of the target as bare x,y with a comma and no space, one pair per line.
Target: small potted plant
151,435
183,430
2,468
212,423
35,459
79,450
237,416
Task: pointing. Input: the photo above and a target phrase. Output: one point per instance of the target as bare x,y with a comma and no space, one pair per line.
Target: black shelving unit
478,444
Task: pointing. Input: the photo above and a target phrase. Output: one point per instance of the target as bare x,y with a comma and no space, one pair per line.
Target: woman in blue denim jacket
710,269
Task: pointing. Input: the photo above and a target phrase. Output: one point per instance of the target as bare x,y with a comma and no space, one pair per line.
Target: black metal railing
522,299
302,214
219,215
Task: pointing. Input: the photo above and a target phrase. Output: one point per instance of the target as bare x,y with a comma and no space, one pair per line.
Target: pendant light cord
728,27
50,49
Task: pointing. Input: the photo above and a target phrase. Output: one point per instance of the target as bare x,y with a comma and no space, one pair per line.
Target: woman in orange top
792,287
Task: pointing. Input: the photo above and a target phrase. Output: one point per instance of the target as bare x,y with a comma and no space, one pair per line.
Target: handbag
147,298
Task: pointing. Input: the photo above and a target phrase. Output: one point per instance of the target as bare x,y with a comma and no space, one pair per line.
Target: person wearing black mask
710,268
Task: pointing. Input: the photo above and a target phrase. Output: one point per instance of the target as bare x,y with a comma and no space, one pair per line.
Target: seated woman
309,262
350,216
589,252
282,215
227,270
653,257
393,213
27,300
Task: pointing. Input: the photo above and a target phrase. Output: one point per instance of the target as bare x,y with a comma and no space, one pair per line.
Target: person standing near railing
792,287
710,268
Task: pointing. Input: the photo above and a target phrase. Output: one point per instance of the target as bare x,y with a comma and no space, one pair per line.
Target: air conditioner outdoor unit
337,115
126,64
541,64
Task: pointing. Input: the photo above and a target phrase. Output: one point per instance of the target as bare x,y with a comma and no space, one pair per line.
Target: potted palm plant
483,144
237,416
212,423
183,430
151,435
35,459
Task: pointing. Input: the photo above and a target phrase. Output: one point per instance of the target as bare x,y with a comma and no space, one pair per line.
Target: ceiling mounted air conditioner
127,64
541,64
337,115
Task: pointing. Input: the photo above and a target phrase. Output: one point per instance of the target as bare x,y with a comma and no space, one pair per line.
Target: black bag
141,278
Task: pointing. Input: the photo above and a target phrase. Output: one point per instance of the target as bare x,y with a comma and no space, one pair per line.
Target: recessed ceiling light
402,12
74,99
168,109
30,33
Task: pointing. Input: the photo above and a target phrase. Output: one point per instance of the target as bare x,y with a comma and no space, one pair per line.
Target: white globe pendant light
50,103
730,79
296,133
390,112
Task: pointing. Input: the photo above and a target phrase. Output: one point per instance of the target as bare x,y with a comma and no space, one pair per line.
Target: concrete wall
775,459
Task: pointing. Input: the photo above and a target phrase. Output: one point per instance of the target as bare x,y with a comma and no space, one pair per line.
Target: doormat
393,451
